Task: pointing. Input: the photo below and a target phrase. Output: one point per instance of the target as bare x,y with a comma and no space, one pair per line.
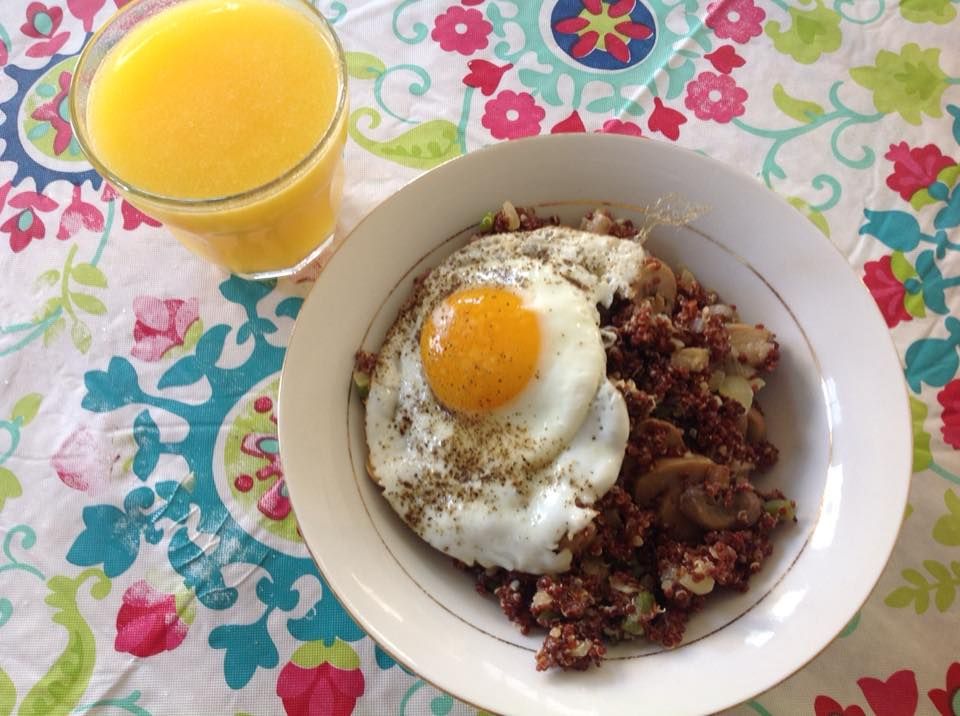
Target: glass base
281,273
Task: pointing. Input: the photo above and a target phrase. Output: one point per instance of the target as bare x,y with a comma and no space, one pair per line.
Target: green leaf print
798,109
944,586
937,11
89,275
910,83
364,66
88,303
340,654
26,408
812,33
9,486
921,438
425,146
8,694
81,336
61,688
946,531
47,278
816,217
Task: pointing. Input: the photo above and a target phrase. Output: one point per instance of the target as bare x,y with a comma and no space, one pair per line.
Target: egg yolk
480,348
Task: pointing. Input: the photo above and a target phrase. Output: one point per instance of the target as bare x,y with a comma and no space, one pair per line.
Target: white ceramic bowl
839,385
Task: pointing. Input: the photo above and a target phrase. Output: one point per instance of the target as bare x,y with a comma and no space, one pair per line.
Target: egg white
505,488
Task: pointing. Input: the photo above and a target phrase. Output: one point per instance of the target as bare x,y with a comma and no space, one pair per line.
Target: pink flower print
570,125
725,59
161,325
886,289
736,20
51,112
949,399
108,193
42,24
943,699
4,53
897,696
85,10
484,75
665,120
716,97
511,115
321,681
915,169
826,706
616,126
27,225
79,214
149,621
461,30
133,217
85,460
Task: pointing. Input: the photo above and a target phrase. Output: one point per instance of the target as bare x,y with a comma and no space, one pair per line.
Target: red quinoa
632,578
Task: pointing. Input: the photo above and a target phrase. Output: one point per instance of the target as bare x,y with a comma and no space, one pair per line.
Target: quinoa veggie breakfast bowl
567,470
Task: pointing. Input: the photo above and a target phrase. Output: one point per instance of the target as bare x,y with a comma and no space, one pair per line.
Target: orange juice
225,119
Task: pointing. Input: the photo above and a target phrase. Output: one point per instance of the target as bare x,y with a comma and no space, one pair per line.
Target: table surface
127,583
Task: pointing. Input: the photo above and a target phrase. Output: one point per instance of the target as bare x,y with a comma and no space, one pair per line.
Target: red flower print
616,126
949,398
570,125
665,120
161,325
79,214
600,24
886,290
85,460
897,696
484,75
716,97
27,225
736,20
85,10
461,30
42,23
133,217
510,115
915,169
149,621
825,706
50,112
725,59
4,53
321,681
944,699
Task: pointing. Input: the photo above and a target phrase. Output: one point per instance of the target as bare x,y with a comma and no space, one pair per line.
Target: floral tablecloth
149,560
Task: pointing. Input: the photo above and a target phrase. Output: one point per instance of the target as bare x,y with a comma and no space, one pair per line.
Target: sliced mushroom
598,222
672,517
756,426
706,511
652,426
657,282
751,344
668,470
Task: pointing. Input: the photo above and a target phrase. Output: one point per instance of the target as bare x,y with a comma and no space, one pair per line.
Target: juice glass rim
242,197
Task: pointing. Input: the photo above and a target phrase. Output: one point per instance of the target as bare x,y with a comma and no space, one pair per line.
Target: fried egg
490,422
